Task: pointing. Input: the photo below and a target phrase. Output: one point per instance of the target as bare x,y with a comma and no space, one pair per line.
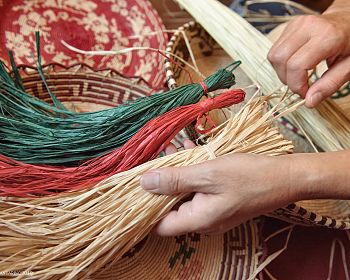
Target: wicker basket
209,57
87,25
82,89
233,255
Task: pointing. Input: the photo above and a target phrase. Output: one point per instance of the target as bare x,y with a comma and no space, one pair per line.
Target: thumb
174,180
329,83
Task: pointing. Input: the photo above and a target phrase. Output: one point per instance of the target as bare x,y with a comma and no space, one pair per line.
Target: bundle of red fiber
21,179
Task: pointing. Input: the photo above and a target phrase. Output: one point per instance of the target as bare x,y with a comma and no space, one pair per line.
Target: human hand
307,41
228,191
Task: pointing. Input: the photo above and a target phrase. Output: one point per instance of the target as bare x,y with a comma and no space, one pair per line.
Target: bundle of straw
36,132
20,179
75,234
242,41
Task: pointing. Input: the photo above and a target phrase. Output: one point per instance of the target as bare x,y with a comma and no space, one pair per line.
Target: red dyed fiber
23,180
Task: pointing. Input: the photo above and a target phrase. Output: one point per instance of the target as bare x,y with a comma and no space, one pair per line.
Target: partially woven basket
235,254
209,56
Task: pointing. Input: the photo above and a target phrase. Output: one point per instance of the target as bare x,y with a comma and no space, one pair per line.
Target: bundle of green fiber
36,132
73,235
325,125
20,179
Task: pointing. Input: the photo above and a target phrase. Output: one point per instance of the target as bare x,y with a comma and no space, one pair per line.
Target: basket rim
111,73
169,73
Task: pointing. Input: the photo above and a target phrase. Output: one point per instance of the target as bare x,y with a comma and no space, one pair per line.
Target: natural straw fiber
75,234
193,44
242,41
330,213
235,254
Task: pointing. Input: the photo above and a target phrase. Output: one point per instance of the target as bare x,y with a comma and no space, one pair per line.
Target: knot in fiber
207,105
205,88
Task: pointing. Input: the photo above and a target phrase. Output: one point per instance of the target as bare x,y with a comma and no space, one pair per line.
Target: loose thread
177,64
344,259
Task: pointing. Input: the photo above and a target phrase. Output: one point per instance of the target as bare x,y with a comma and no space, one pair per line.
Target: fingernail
150,181
315,99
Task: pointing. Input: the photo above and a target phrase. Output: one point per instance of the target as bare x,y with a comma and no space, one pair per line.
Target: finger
190,217
188,144
305,59
284,52
288,30
334,59
284,48
173,180
170,149
330,82
180,221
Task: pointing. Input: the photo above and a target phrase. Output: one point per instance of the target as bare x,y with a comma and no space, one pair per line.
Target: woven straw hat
209,56
87,25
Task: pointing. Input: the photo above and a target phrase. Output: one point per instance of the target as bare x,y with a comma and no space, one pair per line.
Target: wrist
338,6
319,176
304,176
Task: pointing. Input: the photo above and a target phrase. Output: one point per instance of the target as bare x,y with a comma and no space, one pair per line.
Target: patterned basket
233,255
87,25
82,89
209,56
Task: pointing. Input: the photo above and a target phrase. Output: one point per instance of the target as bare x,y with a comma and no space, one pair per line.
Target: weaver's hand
308,40
228,191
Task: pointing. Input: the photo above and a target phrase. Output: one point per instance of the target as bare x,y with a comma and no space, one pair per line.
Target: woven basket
87,25
234,255
82,89
209,57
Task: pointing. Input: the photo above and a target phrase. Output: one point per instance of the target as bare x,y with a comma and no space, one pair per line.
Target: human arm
306,41
232,189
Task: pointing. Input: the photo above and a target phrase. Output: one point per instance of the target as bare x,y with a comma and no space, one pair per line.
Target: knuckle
332,86
277,56
210,175
309,19
297,88
295,65
271,56
341,37
173,181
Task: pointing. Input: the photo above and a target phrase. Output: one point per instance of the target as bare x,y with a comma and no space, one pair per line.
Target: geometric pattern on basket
300,215
87,25
81,88
233,255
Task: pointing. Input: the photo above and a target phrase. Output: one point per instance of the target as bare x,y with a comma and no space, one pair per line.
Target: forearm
339,5
319,176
